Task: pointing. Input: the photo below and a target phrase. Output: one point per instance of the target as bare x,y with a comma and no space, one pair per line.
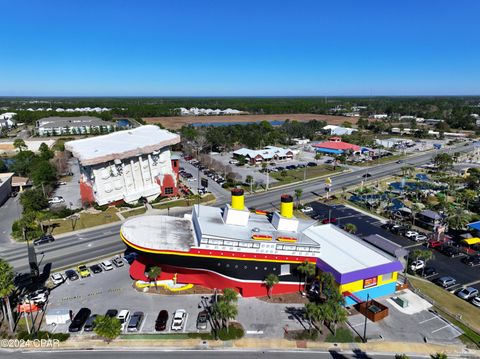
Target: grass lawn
86,220
298,174
450,303
134,212
343,336
183,202
168,336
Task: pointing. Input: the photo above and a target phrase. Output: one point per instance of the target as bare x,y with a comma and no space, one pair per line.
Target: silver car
468,293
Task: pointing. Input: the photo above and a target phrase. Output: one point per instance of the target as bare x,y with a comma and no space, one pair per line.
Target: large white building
72,125
127,165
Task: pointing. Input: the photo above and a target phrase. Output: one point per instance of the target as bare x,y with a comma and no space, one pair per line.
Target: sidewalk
253,344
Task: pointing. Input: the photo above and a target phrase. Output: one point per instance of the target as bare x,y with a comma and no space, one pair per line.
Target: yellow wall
358,285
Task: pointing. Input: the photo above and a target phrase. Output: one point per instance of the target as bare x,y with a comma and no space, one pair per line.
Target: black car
46,238
111,313
450,251
90,323
427,272
71,274
161,322
130,257
311,164
79,320
472,260
291,167
96,269
366,175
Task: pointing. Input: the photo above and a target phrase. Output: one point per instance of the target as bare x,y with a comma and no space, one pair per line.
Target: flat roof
211,224
61,121
4,177
159,232
121,144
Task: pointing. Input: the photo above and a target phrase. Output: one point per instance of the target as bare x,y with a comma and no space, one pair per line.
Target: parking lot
367,225
114,290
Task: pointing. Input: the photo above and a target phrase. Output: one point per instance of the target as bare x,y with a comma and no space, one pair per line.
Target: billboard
369,282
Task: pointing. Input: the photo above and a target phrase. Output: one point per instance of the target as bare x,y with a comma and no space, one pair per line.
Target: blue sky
244,48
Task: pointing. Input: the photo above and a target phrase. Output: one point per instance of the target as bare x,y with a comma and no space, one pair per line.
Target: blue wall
375,292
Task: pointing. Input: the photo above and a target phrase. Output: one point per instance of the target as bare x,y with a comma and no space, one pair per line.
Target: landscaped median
458,311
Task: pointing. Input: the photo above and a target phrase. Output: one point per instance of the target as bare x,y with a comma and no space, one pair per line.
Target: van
135,322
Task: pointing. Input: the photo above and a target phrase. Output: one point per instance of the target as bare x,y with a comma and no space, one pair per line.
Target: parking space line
143,323
427,320
437,330
185,324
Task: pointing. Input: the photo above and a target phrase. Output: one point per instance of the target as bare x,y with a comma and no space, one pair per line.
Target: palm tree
468,196
439,356
230,295
350,228
326,283
307,269
6,289
153,273
339,316
298,195
224,312
457,218
401,356
270,281
312,312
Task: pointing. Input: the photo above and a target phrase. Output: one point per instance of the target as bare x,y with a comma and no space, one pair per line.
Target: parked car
161,322
56,200
178,320
472,260
39,296
416,265
468,293
79,320
307,209
84,271
450,251
428,272
90,323
202,320
57,278
411,234
111,313
290,167
46,238
130,257
96,269
106,265
446,281
311,164
434,243
71,274
420,238
135,322
329,220
123,317
476,301
233,162
117,261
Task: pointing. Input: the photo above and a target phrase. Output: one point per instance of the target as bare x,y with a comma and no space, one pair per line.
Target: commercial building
338,130
233,247
269,153
127,165
5,186
51,126
6,120
336,146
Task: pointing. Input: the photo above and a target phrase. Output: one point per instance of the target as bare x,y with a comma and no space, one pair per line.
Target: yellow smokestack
286,206
238,199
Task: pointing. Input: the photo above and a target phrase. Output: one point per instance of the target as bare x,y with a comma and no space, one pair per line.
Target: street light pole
366,319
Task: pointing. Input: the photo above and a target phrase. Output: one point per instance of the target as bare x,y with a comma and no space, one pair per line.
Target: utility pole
366,319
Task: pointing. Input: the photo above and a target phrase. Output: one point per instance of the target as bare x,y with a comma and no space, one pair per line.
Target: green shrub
343,336
43,335
233,332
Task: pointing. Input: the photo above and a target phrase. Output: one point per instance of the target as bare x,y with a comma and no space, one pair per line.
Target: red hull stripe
194,252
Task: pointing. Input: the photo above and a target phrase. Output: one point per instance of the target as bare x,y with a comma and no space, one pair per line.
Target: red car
329,220
434,244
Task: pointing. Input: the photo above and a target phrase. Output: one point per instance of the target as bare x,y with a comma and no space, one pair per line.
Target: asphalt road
10,211
204,354
86,246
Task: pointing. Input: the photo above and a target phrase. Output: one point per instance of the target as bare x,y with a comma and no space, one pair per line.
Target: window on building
387,276
285,269
168,190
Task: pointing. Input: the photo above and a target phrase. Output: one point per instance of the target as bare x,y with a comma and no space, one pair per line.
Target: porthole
218,264
228,266
264,268
256,268
236,265
245,267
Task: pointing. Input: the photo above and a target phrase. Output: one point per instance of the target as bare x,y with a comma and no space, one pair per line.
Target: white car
191,179
56,200
233,162
57,278
411,234
38,297
107,265
476,301
416,265
124,318
178,319
307,209
420,238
